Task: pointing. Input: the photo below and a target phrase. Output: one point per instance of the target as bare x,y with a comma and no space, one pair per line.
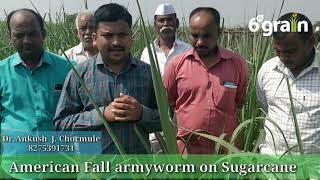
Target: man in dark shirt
121,86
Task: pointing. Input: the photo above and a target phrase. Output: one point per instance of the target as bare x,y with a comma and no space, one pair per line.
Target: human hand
126,108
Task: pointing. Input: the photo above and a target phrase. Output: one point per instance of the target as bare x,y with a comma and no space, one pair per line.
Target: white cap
164,9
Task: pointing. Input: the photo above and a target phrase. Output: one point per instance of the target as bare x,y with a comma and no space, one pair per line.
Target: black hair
215,13
112,12
279,35
37,15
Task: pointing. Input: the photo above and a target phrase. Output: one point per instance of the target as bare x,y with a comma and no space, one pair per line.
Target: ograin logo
277,26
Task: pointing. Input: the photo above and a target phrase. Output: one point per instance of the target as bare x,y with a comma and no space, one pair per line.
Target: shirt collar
99,61
78,49
222,53
317,59
157,40
44,59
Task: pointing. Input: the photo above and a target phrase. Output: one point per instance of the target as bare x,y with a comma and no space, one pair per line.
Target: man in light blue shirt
30,81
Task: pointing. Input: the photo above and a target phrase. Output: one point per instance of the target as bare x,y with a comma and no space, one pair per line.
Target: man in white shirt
166,46
298,62
85,49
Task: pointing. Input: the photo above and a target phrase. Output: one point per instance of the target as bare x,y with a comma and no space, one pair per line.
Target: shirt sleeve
261,96
69,114
0,114
150,117
242,87
170,83
1,91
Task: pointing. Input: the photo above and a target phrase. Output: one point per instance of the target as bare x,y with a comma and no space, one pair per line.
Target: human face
166,25
114,41
85,29
26,36
203,34
293,51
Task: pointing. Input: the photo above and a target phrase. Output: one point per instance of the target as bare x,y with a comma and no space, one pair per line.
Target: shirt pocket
51,98
224,97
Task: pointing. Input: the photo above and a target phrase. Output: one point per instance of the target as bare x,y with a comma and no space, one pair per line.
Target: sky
234,12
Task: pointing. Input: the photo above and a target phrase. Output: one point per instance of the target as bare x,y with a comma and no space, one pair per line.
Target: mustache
118,48
167,28
201,47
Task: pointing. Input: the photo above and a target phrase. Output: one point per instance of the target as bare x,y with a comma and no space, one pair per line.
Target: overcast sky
235,12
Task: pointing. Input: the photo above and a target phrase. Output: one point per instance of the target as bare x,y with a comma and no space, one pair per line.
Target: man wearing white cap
166,46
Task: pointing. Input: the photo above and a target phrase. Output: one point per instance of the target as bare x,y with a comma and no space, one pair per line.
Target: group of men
205,83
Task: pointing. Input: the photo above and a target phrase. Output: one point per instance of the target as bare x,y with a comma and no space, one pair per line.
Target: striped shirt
272,92
76,112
